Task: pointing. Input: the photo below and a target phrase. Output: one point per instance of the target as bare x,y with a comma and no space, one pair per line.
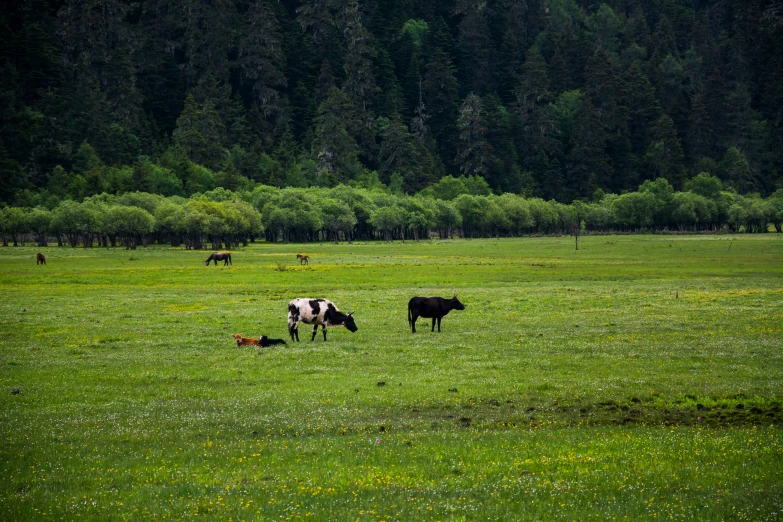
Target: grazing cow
220,256
40,259
303,259
434,307
316,312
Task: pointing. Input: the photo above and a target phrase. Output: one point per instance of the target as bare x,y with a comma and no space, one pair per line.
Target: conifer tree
440,90
605,28
199,133
603,89
474,46
475,155
664,155
512,48
325,81
535,114
359,81
734,170
587,164
642,104
390,99
700,137
334,149
401,152
533,89
262,60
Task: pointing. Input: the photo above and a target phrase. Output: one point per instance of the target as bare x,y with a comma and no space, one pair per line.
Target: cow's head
455,304
349,323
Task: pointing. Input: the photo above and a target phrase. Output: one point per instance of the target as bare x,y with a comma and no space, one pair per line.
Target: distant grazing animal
220,256
303,259
434,307
40,259
316,312
263,342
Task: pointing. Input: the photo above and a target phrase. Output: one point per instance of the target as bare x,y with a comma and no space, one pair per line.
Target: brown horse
303,259
220,256
40,259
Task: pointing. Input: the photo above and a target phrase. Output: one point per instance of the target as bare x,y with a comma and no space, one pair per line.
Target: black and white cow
434,307
316,312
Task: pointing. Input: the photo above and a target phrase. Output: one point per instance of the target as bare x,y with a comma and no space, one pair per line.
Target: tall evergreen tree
262,60
512,48
535,114
334,149
505,174
474,46
605,28
700,137
440,91
664,155
603,89
402,153
642,104
587,164
734,170
359,83
200,133
475,156
325,81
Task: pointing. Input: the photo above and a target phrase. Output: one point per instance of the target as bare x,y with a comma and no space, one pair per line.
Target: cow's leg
293,326
324,330
315,331
413,323
439,324
433,325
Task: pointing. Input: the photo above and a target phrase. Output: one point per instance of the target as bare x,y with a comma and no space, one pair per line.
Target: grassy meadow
640,377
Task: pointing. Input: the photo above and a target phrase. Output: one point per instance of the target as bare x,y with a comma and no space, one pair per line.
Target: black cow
316,312
434,307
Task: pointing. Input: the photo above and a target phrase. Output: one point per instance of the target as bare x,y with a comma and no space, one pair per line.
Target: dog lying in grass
263,342
266,341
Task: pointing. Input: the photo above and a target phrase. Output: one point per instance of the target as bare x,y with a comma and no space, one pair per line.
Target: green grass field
640,377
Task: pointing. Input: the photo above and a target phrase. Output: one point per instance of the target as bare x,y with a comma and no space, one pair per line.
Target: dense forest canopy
556,99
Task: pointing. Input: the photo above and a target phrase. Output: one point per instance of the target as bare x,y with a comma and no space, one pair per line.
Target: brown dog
246,341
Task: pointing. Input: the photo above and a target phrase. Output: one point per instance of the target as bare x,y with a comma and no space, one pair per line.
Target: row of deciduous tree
454,206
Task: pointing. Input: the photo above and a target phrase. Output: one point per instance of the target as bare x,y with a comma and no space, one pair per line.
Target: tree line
550,99
463,207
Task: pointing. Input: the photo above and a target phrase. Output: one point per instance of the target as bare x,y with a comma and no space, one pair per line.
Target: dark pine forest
556,99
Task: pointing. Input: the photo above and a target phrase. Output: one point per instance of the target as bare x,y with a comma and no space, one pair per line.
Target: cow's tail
409,314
